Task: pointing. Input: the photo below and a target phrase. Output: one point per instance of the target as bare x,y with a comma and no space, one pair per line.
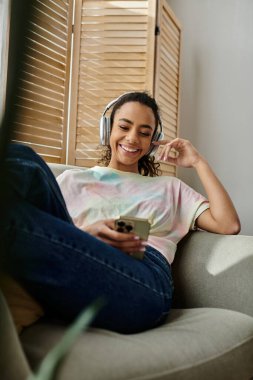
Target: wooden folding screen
118,46
113,53
121,46
42,105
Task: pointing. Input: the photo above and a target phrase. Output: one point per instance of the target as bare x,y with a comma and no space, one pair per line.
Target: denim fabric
65,268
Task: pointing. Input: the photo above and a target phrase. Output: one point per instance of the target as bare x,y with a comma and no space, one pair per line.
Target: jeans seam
68,245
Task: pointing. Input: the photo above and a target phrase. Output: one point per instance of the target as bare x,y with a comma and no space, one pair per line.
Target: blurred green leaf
49,363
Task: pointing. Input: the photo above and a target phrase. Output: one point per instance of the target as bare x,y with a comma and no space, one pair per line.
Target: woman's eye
123,127
146,134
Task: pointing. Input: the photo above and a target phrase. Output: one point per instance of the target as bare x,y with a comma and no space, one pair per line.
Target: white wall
216,111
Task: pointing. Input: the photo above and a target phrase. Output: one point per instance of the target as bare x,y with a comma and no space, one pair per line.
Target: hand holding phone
138,226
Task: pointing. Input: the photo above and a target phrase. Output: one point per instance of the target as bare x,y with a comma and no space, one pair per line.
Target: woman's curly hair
146,165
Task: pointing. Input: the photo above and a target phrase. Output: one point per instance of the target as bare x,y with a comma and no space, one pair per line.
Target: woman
66,259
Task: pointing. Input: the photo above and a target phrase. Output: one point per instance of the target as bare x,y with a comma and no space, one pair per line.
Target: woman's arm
221,217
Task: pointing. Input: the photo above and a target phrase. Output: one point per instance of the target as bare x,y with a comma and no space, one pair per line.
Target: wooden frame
167,73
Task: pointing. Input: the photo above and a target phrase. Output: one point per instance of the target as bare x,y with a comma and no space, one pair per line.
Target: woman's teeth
129,149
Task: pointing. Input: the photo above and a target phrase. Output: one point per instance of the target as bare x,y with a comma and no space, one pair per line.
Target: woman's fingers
105,231
186,155
126,245
165,150
129,247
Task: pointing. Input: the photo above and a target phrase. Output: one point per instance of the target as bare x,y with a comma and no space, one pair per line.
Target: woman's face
131,135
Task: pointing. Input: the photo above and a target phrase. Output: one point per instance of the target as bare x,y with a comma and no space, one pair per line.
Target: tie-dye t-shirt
104,193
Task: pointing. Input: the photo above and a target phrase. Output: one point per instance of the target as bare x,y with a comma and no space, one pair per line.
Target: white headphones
105,127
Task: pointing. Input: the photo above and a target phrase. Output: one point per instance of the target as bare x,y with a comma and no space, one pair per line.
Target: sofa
208,334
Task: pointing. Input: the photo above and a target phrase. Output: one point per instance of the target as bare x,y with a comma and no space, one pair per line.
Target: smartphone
138,226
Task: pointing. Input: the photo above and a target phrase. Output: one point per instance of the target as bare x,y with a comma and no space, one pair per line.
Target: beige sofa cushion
195,344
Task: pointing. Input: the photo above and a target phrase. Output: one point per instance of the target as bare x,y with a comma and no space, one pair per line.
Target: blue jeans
65,268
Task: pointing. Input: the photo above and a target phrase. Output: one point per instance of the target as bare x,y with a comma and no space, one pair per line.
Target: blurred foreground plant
48,365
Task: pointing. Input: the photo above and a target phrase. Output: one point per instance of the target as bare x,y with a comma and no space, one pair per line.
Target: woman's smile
129,149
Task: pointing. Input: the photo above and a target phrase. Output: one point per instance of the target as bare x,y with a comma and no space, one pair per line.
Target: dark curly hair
146,165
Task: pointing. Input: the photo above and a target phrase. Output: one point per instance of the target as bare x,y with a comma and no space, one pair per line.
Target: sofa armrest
213,270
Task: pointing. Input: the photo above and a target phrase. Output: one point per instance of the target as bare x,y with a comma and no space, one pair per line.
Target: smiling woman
67,250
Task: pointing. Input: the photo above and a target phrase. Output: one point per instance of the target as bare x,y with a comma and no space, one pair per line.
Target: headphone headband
114,101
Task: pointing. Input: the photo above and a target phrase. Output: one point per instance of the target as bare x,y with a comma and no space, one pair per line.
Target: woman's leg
27,176
66,269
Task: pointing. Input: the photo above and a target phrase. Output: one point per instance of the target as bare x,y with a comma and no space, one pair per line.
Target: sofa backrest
57,169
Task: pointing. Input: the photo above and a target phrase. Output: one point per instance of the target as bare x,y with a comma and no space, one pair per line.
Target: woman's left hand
186,155
221,217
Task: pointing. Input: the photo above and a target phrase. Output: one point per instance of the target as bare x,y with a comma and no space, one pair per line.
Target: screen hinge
157,30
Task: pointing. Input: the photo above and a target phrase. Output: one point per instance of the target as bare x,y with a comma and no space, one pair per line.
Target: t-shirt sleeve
192,204
202,207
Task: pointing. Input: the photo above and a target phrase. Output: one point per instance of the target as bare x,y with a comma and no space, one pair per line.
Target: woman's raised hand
185,154
221,217
127,242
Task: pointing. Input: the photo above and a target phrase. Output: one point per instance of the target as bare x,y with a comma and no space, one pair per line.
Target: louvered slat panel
48,8
29,129
114,48
45,66
111,19
90,71
31,121
40,98
39,56
132,4
47,50
36,114
58,7
41,82
43,108
167,169
50,154
43,36
167,74
47,26
32,138
48,93
108,28
42,102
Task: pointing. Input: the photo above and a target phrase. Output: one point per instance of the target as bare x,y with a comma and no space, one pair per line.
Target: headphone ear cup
105,130
157,137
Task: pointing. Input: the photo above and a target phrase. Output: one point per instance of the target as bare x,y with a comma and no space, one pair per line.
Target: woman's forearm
223,216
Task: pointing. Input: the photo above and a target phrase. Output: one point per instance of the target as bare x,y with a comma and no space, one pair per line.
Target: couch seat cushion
194,344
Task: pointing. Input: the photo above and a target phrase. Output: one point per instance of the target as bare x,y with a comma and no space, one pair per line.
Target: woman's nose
132,136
